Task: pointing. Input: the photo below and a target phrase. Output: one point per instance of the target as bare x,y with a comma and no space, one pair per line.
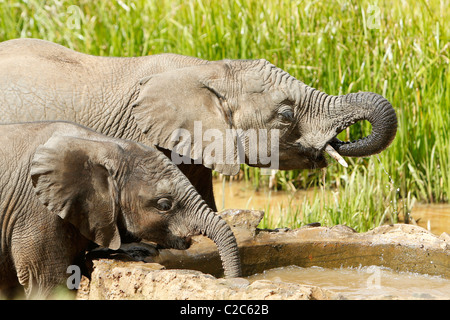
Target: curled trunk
373,108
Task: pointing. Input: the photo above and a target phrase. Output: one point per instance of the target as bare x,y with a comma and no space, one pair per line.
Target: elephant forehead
163,186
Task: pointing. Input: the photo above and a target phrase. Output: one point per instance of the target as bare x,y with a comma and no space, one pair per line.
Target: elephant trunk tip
211,225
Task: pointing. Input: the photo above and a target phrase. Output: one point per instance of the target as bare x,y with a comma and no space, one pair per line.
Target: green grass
362,202
330,45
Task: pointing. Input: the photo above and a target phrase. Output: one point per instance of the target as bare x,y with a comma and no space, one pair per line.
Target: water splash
393,202
385,171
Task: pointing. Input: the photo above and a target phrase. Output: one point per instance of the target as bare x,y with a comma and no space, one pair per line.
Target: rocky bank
139,271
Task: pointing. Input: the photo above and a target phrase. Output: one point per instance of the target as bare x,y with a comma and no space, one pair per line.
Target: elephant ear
73,178
177,110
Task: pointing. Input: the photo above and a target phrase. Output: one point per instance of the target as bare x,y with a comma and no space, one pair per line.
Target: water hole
362,283
366,282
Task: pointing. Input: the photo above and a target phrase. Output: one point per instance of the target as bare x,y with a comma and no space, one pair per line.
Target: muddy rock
197,273
113,280
243,219
399,247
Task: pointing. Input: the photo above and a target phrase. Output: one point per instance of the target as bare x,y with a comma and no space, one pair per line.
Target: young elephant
63,185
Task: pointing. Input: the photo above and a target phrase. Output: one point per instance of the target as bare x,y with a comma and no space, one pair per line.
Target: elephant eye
286,114
164,204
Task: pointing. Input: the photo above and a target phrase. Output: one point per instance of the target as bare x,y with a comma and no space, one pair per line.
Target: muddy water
241,195
433,217
371,282
354,283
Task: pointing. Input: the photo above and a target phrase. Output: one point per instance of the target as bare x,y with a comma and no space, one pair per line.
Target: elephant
64,188
164,100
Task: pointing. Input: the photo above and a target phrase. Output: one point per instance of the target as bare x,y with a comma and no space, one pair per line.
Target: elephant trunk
215,228
373,108
207,222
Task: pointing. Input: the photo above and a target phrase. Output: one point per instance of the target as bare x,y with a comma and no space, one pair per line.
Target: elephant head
112,187
231,95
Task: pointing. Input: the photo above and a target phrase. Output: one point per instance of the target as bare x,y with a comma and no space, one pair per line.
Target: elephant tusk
335,155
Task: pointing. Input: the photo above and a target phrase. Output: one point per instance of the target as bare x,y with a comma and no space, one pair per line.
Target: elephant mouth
309,158
321,161
317,159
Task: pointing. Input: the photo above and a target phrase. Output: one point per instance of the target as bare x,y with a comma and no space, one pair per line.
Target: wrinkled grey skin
146,98
63,186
